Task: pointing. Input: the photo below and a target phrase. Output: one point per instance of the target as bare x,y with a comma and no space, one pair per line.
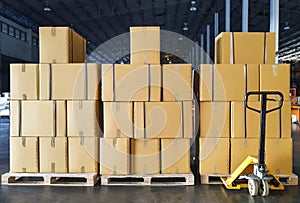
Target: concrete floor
198,193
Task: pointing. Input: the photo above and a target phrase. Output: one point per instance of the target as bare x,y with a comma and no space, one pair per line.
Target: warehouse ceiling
101,20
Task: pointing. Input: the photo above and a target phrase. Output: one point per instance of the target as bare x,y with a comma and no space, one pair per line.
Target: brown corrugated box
83,118
83,154
205,82
145,45
175,156
70,81
245,48
24,155
118,119
14,118
145,156
61,45
115,156
24,81
177,82
53,153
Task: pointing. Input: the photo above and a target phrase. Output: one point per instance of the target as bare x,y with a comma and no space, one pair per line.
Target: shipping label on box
175,155
115,156
53,153
24,82
118,119
24,157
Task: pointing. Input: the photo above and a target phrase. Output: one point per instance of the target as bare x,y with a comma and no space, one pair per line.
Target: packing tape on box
182,120
23,169
275,70
115,170
50,81
24,141
55,118
145,169
53,31
53,142
82,169
80,105
24,96
52,167
114,142
23,68
81,138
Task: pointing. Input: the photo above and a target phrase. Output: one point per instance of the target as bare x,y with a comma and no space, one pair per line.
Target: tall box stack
228,132
147,112
54,119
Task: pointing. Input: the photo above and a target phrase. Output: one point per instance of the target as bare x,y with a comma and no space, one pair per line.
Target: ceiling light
46,6
185,27
193,7
286,27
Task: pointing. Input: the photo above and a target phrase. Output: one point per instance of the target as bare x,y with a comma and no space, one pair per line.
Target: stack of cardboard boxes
54,119
147,111
228,134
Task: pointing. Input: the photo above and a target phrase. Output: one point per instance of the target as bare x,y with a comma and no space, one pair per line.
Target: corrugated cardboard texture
145,156
24,81
175,156
145,45
139,120
114,156
15,118
177,82
107,85
214,156
93,81
206,82
214,119
118,119
83,154
83,118
53,154
252,77
24,157
61,118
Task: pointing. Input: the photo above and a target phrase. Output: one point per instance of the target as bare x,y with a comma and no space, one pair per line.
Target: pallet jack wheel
264,188
253,187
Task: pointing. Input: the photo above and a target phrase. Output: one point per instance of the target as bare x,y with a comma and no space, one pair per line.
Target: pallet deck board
150,180
55,179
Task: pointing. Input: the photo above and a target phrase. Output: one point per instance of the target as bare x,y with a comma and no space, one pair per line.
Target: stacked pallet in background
147,116
228,134
54,119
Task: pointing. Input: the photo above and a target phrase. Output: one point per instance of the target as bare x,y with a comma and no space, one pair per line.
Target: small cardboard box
24,82
24,155
115,156
175,156
53,154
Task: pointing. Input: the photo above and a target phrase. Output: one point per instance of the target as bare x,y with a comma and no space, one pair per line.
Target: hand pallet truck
260,179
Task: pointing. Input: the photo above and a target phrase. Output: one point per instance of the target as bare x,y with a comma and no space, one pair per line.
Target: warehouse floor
199,193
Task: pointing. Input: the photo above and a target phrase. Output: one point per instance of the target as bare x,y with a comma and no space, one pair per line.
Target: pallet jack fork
260,179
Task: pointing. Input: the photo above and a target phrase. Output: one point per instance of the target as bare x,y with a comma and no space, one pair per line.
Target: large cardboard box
145,45
114,156
275,78
61,45
83,154
245,48
24,155
177,82
278,124
145,156
205,82
118,119
24,81
83,118
214,156
43,118
175,156
163,120
53,154
214,119
70,81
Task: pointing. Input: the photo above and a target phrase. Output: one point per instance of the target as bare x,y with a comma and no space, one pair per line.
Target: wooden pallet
288,179
213,179
55,179
148,180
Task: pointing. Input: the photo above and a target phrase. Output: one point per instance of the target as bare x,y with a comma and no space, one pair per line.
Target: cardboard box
278,123
245,48
163,120
214,156
24,156
145,45
118,119
24,82
43,118
83,154
177,82
175,156
53,153
155,82
115,156
275,78
83,118
61,45
15,118
214,119
70,81
206,82
145,156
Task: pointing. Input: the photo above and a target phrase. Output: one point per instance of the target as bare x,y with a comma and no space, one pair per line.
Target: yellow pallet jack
253,173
